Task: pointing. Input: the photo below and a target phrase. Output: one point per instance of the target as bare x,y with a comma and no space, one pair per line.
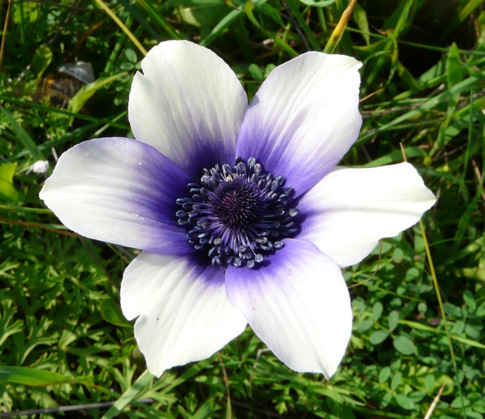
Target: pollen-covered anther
238,214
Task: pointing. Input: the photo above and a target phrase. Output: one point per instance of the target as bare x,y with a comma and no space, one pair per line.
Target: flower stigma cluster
238,213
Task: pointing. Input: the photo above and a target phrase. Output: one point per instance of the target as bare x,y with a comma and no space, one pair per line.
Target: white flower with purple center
240,210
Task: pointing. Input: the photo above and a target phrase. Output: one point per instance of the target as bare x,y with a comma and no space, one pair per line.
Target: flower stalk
339,29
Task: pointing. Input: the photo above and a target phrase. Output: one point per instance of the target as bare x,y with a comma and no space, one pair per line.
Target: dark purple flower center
238,214
236,203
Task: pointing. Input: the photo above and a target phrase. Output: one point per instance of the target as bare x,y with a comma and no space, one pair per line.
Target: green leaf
393,320
131,55
404,345
429,382
295,12
467,9
204,411
447,381
41,60
396,380
111,312
405,402
22,135
460,403
129,395
453,311
269,68
275,15
455,70
402,18
384,374
444,97
158,19
7,190
470,300
221,27
81,97
377,311
32,376
256,72
417,396
473,332
312,3
396,157
360,17
378,337
398,255
364,325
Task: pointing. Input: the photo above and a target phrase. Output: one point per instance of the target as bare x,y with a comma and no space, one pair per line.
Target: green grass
63,339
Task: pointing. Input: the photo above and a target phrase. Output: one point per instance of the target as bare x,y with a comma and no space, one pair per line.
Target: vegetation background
415,351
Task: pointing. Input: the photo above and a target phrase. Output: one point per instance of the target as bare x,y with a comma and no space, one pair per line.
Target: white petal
350,210
121,191
304,118
182,308
298,305
188,104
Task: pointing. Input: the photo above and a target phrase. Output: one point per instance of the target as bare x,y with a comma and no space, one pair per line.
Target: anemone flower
240,211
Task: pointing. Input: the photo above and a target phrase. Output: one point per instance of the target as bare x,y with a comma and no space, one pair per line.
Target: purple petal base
121,191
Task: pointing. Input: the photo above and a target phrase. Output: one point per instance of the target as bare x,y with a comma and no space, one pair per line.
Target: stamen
238,214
